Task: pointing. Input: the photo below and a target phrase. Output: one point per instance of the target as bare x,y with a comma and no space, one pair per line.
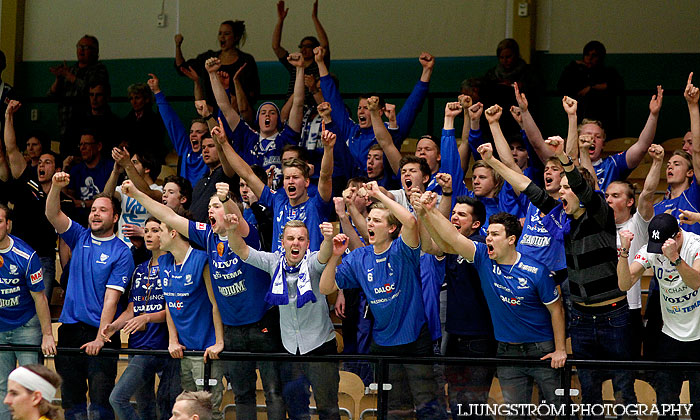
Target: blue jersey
187,299
20,274
517,295
239,288
612,168
96,264
312,212
390,281
688,200
255,149
147,297
537,243
432,274
88,182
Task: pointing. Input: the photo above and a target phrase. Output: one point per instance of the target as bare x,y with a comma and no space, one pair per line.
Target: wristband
449,194
225,199
569,163
677,262
208,117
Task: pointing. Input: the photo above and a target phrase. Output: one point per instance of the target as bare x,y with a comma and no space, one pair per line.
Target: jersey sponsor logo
200,226
188,280
522,283
679,299
2,261
233,289
36,277
502,287
225,264
513,301
528,268
536,241
220,249
4,280
387,288
14,301
178,304
13,269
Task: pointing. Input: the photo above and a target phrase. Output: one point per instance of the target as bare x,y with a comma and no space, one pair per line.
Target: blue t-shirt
390,281
612,168
187,299
464,291
147,296
312,212
537,243
20,274
517,295
239,288
432,274
96,264
688,200
88,182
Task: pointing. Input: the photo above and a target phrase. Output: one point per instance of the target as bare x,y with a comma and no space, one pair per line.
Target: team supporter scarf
277,295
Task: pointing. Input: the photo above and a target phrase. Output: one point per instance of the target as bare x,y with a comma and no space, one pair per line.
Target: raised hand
390,111
556,145
314,11
328,138
128,188
444,180
202,108
121,156
296,60
517,115
689,217
426,60
237,74
326,230
493,114
281,11
222,190
309,82
339,206
691,93
178,40
12,107
340,244
190,73
465,101
223,79
475,111
319,53
414,199
428,200
626,238
212,64
520,97
570,105
656,151
670,249
372,189
231,221
60,179
656,100
486,151
585,142
324,110
453,109
218,133
153,83
373,103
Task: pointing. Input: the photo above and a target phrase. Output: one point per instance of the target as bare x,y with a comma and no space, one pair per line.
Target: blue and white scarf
278,295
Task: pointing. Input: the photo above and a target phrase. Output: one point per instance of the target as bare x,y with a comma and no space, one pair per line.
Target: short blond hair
199,403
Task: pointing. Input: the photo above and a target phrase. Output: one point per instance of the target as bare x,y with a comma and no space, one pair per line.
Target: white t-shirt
401,198
678,301
132,212
637,225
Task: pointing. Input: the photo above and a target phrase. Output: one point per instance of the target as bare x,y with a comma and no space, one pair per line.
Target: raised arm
645,204
14,156
322,35
222,100
235,241
327,284
493,114
123,158
530,127
691,95
409,232
570,107
427,244
345,224
296,113
443,231
53,211
466,102
157,209
220,139
636,152
111,184
516,179
230,207
392,153
241,102
280,52
236,162
627,274
179,57
585,144
325,177
326,250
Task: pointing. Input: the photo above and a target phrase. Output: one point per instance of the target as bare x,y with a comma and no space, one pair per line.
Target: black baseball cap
662,227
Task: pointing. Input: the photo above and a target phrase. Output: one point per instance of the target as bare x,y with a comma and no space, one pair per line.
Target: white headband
33,382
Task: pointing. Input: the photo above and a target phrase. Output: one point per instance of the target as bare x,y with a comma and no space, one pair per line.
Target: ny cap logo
655,234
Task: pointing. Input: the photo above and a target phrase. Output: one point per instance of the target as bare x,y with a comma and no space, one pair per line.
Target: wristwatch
208,117
677,262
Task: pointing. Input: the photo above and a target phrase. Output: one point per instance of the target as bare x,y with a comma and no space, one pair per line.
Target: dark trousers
469,384
324,379
85,374
667,384
416,381
260,337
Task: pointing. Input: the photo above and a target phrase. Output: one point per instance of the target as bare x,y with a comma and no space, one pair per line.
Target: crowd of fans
237,252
